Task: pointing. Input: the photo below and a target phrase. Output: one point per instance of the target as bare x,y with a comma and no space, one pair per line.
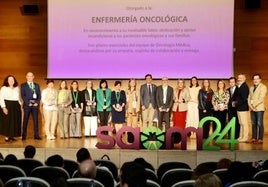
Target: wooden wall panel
260,44
23,42
250,39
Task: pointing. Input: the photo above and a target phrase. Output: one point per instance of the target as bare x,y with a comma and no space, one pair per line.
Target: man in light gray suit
164,101
148,103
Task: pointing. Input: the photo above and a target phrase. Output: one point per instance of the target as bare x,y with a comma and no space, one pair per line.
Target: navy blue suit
27,95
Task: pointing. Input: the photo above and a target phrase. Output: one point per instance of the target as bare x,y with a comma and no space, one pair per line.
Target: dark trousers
104,117
206,125
164,116
27,111
233,113
257,124
221,116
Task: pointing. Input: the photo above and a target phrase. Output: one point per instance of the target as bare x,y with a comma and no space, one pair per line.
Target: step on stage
68,148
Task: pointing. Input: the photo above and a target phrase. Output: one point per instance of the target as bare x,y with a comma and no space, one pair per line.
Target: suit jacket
131,97
27,94
257,98
232,98
204,100
100,99
159,97
49,98
67,100
93,111
183,100
242,97
145,96
122,98
80,100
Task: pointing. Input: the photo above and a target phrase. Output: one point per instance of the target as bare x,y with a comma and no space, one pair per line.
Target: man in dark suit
148,103
232,112
164,101
31,96
242,107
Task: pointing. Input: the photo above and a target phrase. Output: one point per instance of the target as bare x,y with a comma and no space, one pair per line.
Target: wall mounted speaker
252,4
30,9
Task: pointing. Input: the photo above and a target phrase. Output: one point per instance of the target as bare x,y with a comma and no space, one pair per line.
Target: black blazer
241,97
232,97
27,94
159,97
85,95
204,103
80,99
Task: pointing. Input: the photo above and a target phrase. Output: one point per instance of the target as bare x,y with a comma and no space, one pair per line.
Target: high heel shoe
6,139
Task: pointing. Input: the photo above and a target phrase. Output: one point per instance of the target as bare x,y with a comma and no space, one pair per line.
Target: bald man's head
87,169
30,77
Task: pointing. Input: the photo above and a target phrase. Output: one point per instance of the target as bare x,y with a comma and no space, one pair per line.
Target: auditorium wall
23,43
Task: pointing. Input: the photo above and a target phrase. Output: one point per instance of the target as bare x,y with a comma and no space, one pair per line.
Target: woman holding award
64,109
76,108
49,98
118,102
103,102
90,110
220,101
133,104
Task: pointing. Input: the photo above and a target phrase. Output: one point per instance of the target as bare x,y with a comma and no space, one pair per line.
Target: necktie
255,86
150,90
31,85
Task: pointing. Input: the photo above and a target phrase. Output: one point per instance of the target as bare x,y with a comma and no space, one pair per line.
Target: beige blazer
257,98
178,102
133,99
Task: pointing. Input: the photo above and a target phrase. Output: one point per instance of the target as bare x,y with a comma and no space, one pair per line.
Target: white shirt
90,94
164,94
194,93
49,98
8,93
232,89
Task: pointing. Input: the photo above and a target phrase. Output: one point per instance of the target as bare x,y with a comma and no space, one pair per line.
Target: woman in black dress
118,102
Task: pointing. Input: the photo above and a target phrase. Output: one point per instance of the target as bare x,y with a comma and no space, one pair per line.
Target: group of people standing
224,104
187,106
65,107
14,100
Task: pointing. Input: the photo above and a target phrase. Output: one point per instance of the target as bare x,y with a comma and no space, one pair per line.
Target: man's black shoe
23,138
38,138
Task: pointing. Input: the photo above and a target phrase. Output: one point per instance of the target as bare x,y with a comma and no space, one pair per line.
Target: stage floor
90,142
68,148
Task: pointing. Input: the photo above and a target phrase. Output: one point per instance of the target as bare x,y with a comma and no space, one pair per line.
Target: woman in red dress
181,98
